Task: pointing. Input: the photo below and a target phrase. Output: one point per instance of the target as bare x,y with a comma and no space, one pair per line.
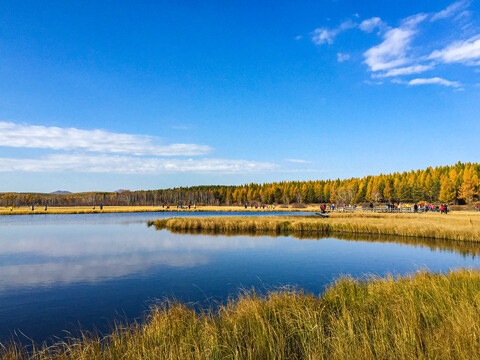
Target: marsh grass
425,316
462,226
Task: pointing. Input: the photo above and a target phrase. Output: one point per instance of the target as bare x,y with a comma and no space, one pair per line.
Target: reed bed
425,316
463,226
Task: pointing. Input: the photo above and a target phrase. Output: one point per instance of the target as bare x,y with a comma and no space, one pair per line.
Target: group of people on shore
434,208
391,207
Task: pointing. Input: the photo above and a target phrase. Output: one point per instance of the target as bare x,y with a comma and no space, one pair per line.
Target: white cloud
465,16
413,20
414,69
451,10
323,35
298,37
298,161
130,165
392,52
467,52
398,54
56,138
371,24
435,81
342,57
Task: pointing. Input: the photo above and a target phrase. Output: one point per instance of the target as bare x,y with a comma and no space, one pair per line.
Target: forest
455,184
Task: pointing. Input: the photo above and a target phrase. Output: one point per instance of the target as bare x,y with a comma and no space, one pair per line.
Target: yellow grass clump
427,316
460,226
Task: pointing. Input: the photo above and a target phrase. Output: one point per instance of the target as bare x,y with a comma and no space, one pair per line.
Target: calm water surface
65,272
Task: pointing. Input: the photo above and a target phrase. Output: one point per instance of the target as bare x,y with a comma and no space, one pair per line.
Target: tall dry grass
427,316
462,226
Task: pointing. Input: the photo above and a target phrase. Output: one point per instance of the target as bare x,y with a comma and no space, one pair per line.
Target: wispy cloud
371,24
414,69
467,52
392,52
130,165
298,161
435,80
399,54
342,57
101,141
396,57
451,10
370,82
324,35
115,153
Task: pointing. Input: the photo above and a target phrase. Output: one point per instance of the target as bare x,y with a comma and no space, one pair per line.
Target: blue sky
101,95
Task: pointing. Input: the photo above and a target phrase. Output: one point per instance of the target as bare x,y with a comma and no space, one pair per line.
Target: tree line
455,184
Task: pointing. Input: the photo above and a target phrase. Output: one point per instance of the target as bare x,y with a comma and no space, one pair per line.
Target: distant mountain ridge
61,192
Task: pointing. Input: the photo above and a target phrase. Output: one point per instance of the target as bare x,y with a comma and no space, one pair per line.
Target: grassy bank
461,226
128,209
428,316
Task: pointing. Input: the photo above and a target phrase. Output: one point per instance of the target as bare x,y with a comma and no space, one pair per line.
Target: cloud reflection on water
89,270
47,255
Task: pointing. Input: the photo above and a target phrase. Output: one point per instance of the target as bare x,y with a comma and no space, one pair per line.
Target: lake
67,272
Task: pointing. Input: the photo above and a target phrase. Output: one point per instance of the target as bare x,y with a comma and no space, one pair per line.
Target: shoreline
137,209
133,209
457,227
56,210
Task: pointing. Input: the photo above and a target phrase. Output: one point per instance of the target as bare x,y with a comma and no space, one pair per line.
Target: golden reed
425,316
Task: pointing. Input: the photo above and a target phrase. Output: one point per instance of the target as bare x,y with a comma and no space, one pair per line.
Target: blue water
69,272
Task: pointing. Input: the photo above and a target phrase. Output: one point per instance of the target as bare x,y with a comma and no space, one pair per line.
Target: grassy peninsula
427,316
460,226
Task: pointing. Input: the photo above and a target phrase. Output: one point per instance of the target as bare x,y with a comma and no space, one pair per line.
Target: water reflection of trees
462,247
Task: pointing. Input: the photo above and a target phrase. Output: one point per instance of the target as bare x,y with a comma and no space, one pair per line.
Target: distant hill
61,192
120,190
